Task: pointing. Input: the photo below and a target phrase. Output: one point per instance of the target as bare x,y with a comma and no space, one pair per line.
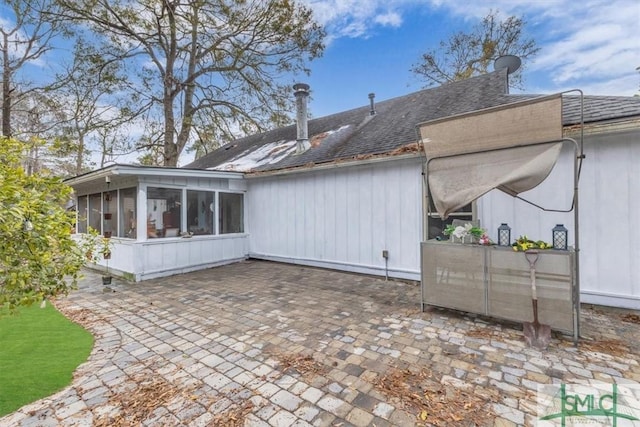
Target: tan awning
512,148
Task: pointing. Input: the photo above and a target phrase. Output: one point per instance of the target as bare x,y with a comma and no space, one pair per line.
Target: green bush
38,257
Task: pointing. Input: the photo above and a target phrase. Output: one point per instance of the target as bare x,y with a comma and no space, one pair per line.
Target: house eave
340,163
132,170
604,127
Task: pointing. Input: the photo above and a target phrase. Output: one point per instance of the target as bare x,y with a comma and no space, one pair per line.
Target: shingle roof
356,133
599,108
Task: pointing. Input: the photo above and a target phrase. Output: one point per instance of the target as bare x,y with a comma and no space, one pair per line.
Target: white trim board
341,266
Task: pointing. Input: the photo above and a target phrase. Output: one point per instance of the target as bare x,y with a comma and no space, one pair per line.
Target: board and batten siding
341,218
609,204
162,257
168,256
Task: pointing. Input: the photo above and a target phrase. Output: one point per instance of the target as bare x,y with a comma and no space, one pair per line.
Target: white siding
191,183
609,202
169,256
340,218
164,257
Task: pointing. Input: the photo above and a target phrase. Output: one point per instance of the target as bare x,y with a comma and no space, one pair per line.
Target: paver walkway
268,344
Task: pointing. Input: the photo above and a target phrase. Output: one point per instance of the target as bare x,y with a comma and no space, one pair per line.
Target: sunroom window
128,213
201,212
94,217
82,214
109,213
164,212
231,215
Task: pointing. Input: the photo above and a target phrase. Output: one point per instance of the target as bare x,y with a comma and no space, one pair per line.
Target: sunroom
163,221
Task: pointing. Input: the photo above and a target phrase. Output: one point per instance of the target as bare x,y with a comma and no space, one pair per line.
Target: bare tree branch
204,64
27,36
465,55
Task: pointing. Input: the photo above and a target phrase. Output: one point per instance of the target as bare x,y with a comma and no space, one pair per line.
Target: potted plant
524,244
96,247
105,252
467,233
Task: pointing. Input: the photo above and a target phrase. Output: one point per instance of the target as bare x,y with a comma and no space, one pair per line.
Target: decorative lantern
504,235
560,237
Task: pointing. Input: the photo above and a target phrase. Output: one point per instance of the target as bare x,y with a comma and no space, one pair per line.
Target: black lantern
560,237
504,234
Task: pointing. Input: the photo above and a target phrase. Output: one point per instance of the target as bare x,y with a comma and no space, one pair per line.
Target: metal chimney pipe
373,108
302,95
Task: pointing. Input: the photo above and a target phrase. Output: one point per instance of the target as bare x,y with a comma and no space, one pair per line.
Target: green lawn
39,350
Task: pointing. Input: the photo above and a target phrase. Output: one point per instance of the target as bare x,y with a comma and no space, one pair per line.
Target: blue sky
593,45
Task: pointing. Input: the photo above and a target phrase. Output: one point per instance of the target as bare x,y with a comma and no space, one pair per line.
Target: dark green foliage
39,259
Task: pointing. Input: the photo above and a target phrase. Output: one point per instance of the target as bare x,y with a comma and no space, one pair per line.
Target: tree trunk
170,91
189,90
103,150
170,151
32,161
6,87
80,157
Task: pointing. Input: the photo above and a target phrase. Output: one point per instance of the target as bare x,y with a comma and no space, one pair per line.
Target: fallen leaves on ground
491,334
306,366
410,312
82,316
136,405
432,402
234,416
481,333
611,347
631,318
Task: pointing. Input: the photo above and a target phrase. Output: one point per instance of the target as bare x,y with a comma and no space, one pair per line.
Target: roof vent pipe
302,95
372,112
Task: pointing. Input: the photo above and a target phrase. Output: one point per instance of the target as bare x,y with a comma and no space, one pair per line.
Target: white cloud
354,29
389,19
590,43
357,18
594,48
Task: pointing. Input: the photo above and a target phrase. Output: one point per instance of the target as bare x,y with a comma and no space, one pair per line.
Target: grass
39,350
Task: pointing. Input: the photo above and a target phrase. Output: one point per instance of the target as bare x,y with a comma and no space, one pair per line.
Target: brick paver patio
268,344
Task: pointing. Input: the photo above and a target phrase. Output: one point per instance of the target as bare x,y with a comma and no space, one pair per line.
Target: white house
349,191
